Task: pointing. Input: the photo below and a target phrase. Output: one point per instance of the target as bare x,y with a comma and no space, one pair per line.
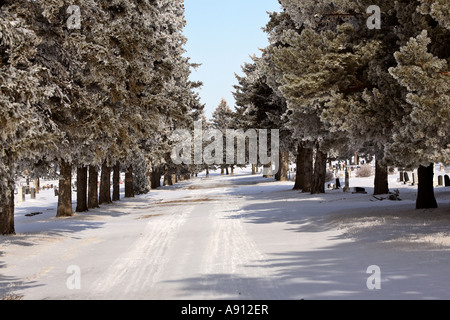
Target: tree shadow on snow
332,273
10,286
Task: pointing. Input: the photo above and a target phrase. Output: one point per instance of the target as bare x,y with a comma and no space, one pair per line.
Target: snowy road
195,241
236,237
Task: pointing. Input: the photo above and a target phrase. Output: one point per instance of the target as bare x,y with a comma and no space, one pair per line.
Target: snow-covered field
240,237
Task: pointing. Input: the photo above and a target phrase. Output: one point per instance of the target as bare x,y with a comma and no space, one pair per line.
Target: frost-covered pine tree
278,24
364,101
222,120
83,63
424,137
26,129
260,107
421,68
178,104
344,66
307,76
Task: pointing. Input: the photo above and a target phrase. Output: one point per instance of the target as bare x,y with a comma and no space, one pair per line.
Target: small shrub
365,171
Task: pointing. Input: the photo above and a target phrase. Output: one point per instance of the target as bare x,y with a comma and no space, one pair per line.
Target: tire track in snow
233,266
142,265
221,254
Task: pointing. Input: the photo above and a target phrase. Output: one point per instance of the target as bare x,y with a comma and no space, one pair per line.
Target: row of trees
99,86
88,87
335,86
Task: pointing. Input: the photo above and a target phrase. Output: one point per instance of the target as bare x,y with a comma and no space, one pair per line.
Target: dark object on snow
406,177
359,190
33,214
392,196
447,180
395,196
338,183
440,180
425,192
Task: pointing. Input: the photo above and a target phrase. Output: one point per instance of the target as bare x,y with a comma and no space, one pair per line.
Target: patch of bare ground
148,216
184,201
12,296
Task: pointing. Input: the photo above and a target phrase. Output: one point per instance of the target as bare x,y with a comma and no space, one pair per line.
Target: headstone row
441,180
22,191
444,180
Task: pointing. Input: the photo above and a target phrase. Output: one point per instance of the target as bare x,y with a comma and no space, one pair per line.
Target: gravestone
21,194
415,179
447,180
440,181
359,190
338,183
406,177
402,175
33,193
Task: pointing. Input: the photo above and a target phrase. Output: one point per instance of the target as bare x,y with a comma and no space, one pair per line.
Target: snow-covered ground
240,237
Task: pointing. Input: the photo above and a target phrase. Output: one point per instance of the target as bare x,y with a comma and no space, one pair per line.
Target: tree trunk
278,172
129,188
307,170
381,179
82,180
319,174
300,168
425,194
253,169
284,166
347,180
167,177
93,188
65,191
116,182
7,210
158,177
155,178
105,184
36,185
207,172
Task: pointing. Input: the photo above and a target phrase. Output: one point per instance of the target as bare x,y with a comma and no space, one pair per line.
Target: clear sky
222,35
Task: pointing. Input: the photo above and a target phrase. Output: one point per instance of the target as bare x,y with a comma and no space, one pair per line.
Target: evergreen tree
425,136
25,127
221,120
343,68
261,108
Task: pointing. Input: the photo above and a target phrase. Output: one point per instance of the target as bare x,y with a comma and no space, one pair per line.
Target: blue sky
222,34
